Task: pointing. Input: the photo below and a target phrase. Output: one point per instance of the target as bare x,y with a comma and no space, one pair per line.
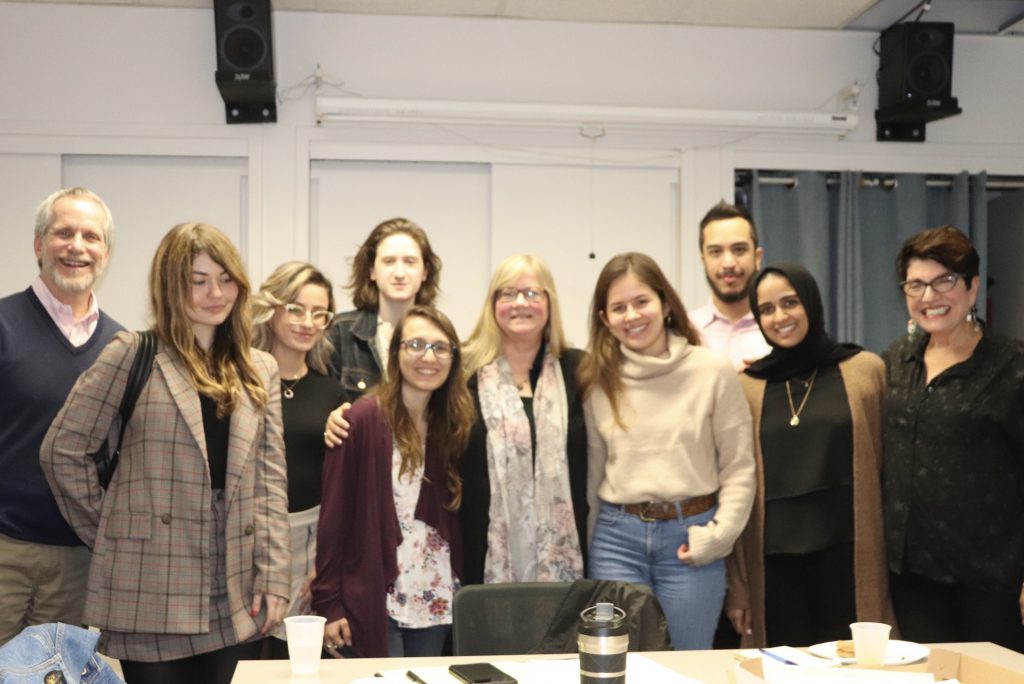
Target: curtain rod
992,183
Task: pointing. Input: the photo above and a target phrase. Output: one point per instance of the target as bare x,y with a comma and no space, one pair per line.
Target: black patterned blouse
954,465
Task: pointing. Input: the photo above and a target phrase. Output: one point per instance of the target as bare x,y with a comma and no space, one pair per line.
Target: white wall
96,80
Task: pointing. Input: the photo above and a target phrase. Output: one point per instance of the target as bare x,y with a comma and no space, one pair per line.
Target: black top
476,485
217,431
808,468
954,465
304,416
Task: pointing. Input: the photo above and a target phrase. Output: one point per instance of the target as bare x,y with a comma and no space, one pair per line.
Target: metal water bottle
603,640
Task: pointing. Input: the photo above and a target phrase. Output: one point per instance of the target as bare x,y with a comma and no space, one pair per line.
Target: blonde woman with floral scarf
524,509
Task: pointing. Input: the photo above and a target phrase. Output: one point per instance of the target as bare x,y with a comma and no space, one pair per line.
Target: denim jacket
355,360
54,653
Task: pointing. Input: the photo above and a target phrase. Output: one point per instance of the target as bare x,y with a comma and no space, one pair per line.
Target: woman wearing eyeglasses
290,314
389,553
524,508
954,441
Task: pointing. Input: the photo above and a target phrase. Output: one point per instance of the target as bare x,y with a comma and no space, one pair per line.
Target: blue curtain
846,229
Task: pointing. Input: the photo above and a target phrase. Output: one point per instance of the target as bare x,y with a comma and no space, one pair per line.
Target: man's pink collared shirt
740,341
78,332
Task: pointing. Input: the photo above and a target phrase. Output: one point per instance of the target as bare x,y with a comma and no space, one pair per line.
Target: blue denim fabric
628,549
54,653
406,642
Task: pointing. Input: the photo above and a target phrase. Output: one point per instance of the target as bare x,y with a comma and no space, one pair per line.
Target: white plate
897,653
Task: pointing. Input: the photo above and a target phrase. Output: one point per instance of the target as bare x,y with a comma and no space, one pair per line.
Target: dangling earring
668,319
911,328
972,316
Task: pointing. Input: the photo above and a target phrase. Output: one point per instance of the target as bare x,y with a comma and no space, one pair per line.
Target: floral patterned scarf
532,535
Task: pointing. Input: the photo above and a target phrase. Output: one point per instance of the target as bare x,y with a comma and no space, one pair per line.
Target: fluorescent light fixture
358,109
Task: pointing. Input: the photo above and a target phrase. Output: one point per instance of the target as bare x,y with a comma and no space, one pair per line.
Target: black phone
480,673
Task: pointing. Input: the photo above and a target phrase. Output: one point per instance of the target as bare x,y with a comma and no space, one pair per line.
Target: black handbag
105,458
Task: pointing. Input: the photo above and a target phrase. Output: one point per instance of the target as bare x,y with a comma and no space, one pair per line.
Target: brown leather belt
651,511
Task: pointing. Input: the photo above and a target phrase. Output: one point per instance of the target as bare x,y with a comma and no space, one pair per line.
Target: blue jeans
62,652
404,642
627,549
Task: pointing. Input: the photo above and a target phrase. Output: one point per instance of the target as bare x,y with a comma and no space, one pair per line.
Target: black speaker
915,75
245,60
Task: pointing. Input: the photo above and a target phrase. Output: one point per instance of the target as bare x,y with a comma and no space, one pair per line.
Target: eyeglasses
417,348
298,313
944,283
511,294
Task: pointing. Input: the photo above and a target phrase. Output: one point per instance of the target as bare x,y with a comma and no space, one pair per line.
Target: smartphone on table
480,673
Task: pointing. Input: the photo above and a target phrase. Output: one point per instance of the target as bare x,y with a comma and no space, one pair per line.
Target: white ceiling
991,17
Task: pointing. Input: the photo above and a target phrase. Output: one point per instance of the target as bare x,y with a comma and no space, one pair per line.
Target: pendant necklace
289,390
795,412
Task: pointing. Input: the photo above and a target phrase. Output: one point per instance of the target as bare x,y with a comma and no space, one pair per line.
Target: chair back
503,619
542,617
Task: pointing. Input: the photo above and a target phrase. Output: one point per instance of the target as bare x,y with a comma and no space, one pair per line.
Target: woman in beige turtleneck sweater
671,469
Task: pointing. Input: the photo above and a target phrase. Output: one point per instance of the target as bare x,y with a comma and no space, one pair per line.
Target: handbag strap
138,375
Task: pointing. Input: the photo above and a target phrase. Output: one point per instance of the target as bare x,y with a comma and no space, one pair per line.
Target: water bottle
603,640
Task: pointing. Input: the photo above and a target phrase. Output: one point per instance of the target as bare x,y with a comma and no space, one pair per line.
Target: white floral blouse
423,591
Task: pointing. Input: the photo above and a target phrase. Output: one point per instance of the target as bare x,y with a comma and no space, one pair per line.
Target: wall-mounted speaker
915,79
245,60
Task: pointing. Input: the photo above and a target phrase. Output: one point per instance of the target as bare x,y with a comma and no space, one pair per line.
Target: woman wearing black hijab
812,558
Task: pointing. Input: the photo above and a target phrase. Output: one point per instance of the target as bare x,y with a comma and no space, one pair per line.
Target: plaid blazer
150,532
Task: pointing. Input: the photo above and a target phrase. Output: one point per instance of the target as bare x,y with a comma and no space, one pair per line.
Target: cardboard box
942,663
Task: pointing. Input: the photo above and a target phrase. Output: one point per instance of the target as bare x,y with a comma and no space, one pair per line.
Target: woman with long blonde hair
291,313
389,554
190,541
524,472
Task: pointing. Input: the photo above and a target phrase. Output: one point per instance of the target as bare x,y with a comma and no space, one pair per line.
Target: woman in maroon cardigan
388,548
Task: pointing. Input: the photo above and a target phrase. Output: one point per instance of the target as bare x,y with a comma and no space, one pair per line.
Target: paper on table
559,671
778,673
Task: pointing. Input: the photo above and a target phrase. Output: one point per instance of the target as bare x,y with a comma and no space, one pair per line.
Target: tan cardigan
864,379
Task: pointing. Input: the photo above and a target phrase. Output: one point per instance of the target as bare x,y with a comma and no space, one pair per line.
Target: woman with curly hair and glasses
291,313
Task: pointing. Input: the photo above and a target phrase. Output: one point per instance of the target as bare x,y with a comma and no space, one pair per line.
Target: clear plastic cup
870,641
305,642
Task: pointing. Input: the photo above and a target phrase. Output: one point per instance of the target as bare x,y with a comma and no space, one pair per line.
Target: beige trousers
40,583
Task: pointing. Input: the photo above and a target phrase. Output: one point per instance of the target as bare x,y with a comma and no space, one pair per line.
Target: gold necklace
289,390
795,420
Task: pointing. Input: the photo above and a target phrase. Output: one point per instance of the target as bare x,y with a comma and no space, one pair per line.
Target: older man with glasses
49,334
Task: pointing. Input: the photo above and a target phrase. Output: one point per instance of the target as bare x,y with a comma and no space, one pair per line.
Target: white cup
870,641
305,641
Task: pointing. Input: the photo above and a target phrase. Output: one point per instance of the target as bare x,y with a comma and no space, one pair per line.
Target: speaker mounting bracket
900,131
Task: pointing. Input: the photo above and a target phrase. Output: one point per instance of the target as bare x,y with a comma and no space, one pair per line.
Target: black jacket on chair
648,630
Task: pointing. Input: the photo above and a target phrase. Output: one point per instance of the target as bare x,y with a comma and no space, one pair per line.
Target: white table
710,667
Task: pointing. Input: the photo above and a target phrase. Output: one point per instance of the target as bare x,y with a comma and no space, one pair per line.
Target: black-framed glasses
944,283
511,294
417,348
297,314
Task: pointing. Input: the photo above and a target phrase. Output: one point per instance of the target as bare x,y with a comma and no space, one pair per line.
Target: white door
147,197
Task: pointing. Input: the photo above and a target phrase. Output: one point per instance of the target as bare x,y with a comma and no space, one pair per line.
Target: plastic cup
870,641
305,642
